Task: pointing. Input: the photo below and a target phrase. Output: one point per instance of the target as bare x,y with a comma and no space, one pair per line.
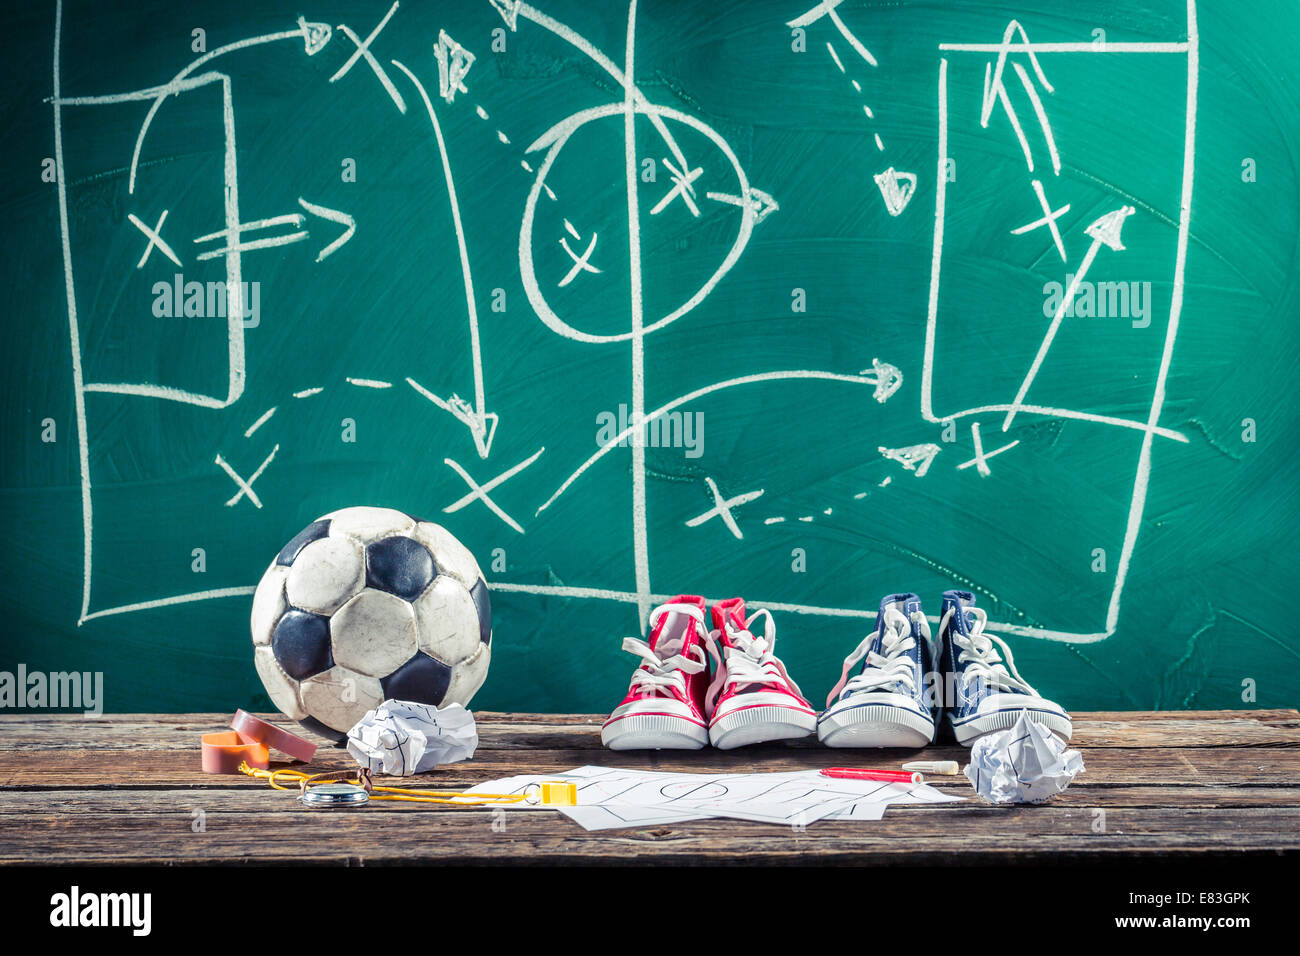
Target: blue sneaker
892,701
983,693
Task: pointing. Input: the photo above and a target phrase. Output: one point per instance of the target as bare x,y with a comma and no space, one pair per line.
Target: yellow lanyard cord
549,793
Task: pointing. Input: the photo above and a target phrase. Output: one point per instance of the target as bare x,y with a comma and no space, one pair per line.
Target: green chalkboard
912,295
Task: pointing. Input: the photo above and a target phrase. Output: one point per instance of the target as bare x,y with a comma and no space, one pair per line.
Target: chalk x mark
246,487
980,461
580,263
682,180
1048,219
722,508
363,50
480,492
155,240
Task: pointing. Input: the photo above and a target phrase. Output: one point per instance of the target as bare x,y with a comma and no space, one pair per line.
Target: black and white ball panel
340,737
301,643
313,531
326,573
280,687
369,524
400,566
374,633
452,557
468,676
448,619
339,696
420,679
367,604
483,605
269,603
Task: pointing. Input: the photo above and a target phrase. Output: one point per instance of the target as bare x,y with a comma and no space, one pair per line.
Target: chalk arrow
915,458
896,189
1106,229
888,379
482,425
333,215
1105,232
454,62
762,203
509,10
314,35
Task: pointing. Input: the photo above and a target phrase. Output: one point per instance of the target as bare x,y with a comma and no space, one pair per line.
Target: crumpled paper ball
401,738
1026,764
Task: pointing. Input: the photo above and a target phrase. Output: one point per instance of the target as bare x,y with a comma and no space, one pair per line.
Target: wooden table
127,789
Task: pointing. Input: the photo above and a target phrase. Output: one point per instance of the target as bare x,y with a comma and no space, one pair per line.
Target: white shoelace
978,648
888,668
750,659
661,675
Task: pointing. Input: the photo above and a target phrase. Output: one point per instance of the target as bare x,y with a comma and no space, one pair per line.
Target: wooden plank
1178,732
1204,766
970,834
182,731
252,802
576,731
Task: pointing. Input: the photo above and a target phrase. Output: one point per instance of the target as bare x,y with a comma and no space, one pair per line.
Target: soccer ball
368,604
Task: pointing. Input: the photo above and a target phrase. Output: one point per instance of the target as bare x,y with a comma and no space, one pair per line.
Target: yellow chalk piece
559,793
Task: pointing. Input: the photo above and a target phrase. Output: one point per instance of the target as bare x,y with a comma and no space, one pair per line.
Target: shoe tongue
729,612
960,600
905,605
675,631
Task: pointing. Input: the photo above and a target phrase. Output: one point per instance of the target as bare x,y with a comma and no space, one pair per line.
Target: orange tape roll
224,752
256,729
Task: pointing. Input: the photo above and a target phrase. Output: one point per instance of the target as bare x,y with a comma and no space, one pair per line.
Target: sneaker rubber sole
756,725
875,725
969,731
653,732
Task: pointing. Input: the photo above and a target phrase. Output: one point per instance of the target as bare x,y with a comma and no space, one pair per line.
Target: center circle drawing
556,139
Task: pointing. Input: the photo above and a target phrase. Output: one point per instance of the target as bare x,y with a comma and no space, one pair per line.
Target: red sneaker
664,706
752,699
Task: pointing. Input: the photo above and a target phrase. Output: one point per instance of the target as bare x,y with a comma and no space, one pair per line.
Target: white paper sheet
874,806
610,798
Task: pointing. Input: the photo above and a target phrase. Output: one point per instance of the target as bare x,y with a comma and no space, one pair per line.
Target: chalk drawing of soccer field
1016,70
1030,63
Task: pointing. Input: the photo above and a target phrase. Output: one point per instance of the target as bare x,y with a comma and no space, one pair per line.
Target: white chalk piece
948,768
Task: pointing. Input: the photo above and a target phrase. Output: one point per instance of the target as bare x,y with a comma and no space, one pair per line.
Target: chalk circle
556,138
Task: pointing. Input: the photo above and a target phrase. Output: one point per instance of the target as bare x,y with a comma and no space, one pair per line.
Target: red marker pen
886,776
